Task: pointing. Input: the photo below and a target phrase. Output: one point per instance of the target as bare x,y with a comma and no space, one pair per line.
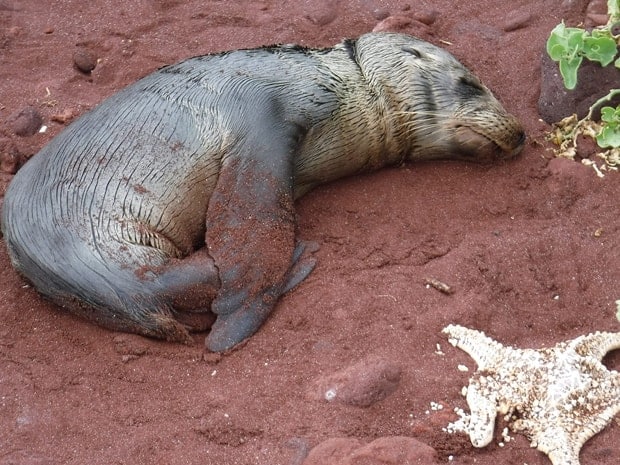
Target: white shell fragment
559,397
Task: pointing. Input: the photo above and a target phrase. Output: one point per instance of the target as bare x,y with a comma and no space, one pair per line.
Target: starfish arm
483,407
558,445
578,424
485,351
596,345
601,412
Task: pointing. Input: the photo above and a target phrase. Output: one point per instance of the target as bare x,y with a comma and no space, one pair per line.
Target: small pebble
387,450
84,61
517,20
362,384
380,13
597,7
393,24
9,156
129,346
25,122
64,117
594,19
14,31
211,358
323,12
427,17
300,448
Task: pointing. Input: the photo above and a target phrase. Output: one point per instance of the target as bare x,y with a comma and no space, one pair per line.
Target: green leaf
568,70
598,33
610,115
565,42
556,40
601,48
575,38
608,137
556,51
617,63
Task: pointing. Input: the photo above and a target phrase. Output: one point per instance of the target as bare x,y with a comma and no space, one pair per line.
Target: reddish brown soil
531,248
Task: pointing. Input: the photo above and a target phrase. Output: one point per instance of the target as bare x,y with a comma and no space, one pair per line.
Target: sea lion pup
171,204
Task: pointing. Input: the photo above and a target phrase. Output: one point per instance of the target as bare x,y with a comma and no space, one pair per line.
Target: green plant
569,46
609,136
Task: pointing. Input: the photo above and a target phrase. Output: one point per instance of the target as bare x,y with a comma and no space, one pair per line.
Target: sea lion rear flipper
251,235
190,285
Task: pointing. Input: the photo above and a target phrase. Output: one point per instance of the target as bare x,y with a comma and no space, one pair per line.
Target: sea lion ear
409,49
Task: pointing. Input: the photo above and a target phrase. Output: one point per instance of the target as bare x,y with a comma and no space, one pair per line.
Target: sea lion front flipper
251,236
231,328
303,264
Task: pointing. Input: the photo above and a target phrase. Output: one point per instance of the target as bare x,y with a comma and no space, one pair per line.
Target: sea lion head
437,108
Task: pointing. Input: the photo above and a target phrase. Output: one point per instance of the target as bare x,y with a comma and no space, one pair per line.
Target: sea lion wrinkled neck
403,92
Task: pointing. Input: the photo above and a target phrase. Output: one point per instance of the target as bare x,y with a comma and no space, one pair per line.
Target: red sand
531,248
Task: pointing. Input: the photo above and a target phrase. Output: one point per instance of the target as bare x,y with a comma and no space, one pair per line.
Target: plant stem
612,93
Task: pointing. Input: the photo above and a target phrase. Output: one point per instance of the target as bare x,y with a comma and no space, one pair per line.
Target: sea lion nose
521,138
519,143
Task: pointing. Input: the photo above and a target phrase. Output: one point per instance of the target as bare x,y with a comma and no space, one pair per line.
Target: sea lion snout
487,139
475,146
498,134
471,124
479,127
439,108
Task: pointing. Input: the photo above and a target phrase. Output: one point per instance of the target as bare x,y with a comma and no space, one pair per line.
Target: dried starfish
559,397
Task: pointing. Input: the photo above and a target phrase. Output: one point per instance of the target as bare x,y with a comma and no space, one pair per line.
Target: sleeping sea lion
170,206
